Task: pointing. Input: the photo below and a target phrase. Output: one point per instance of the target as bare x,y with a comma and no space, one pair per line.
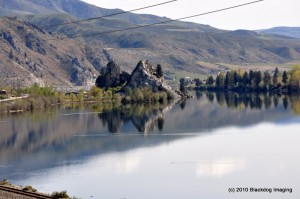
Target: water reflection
145,117
252,100
46,139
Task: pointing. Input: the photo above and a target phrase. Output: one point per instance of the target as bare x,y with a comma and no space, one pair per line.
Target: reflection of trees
182,105
210,96
198,94
267,101
254,100
144,117
220,98
276,100
295,104
285,102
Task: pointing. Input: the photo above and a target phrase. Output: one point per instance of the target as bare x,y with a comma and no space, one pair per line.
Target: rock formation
111,76
144,75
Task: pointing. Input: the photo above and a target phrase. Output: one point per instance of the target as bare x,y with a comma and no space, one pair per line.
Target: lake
201,148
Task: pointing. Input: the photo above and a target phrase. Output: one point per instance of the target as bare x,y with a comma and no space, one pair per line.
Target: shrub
137,95
29,189
4,182
58,195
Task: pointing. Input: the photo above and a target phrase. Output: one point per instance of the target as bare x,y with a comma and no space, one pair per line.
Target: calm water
197,149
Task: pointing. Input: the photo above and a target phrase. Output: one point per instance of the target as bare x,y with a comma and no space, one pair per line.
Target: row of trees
252,80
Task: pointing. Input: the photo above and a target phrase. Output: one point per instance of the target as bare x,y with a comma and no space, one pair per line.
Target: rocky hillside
29,54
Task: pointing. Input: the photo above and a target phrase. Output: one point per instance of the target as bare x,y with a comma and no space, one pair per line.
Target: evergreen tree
226,81
231,83
210,80
251,77
220,81
198,82
285,77
246,79
257,78
159,72
275,77
182,85
236,77
267,78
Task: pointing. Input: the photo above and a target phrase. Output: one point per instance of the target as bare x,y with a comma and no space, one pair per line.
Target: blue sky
267,14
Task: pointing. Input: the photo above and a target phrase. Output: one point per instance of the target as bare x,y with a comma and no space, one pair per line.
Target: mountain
29,54
182,48
286,31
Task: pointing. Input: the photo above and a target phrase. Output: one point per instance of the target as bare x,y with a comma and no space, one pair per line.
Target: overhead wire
110,15
162,22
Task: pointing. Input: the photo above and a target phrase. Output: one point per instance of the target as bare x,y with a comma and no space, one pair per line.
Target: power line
163,22
110,15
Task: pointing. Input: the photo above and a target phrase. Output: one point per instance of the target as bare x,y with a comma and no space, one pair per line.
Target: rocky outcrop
111,76
144,75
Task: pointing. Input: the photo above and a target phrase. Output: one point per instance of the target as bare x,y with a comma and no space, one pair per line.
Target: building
3,92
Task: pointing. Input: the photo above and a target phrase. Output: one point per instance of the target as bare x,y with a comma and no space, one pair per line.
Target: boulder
111,76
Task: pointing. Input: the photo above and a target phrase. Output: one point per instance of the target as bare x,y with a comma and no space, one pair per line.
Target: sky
263,15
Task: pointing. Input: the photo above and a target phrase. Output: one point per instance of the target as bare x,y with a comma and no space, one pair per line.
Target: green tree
210,81
182,84
267,78
220,81
295,76
236,77
137,95
257,78
229,80
285,77
159,71
246,79
96,92
251,77
275,76
198,82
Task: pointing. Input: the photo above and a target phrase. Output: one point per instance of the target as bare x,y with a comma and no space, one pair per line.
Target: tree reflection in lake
251,100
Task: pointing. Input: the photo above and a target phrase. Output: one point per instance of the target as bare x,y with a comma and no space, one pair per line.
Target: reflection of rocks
144,117
112,119
148,121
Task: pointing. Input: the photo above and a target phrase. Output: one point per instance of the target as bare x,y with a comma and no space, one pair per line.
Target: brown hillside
29,54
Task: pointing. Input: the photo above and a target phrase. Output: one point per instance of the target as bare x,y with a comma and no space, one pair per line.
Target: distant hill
246,33
286,31
74,8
